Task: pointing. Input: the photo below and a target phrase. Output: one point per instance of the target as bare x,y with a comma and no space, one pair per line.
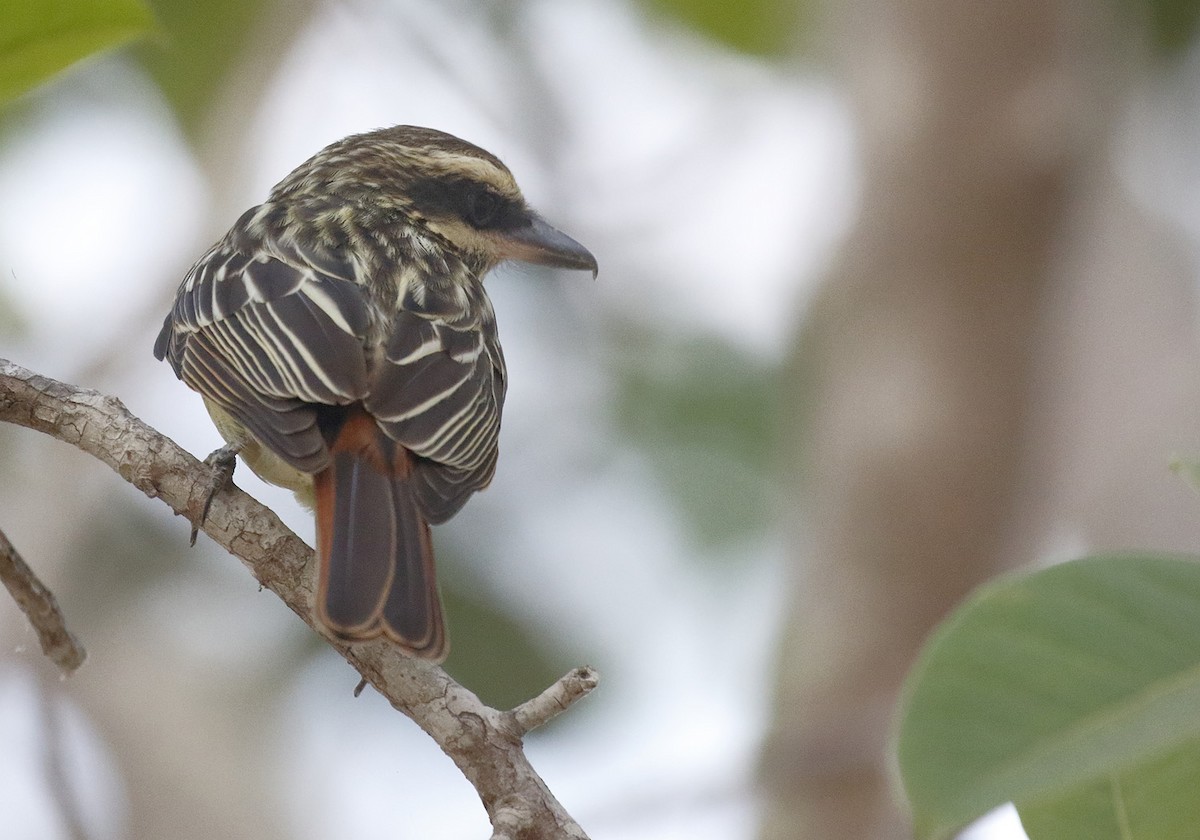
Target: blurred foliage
704,414
758,27
1172,23
203,39
493,654
41,37
772,27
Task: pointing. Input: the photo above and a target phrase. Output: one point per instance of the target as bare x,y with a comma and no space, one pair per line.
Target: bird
343,344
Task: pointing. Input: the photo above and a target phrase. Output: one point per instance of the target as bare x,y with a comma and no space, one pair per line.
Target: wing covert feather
268,341
439,393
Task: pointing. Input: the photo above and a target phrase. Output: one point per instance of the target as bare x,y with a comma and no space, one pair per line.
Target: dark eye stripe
475,203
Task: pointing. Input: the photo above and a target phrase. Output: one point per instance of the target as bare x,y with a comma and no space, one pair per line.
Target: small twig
556,699
40,607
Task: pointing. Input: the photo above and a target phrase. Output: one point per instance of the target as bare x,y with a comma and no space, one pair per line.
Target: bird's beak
541,244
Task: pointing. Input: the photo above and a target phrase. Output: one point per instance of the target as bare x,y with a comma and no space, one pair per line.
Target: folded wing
269,339
439,393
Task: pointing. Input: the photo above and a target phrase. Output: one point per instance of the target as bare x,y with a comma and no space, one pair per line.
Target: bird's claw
221,463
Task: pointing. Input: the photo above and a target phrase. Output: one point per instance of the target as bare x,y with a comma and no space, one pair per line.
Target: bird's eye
483,207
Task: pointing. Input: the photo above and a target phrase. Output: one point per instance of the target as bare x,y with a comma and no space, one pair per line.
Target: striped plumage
341,337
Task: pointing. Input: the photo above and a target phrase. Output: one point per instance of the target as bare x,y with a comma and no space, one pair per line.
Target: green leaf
39,38
1042,687
1156,799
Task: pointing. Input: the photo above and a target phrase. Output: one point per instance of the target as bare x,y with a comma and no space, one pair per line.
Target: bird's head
459,193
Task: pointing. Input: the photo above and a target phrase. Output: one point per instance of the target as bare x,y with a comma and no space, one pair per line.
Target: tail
376,559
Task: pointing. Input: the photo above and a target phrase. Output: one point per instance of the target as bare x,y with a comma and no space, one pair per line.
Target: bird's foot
221,462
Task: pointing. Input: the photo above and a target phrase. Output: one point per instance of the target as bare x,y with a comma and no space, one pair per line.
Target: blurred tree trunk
915,372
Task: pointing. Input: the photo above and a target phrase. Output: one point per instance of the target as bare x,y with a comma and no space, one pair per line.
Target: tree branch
485,743
39,605
554,700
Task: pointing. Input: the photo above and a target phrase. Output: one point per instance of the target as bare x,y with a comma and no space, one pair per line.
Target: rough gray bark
484,743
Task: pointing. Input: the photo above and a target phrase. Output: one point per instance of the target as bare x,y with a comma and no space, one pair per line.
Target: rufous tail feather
376,574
